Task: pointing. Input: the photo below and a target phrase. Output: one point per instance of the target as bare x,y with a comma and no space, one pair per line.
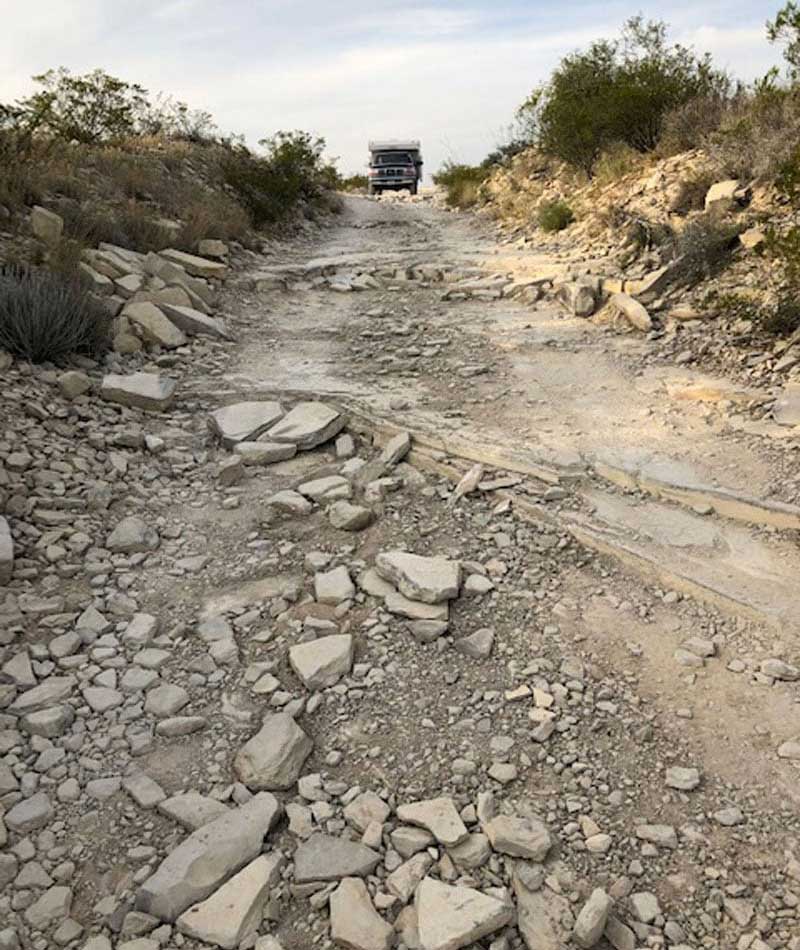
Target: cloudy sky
449,73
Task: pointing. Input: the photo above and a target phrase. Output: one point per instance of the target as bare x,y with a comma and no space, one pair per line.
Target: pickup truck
394,164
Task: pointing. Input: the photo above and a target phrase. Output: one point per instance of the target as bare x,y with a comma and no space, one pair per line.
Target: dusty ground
523,388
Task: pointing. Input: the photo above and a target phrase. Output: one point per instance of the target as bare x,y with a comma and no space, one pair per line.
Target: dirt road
576,726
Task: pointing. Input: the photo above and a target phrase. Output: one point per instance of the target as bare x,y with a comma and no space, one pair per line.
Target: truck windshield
392,158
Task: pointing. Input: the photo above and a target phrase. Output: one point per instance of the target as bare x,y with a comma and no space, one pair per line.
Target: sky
448,73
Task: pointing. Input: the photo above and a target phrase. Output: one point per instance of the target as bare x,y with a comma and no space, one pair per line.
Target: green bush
461,183
357,183
45,318
616,91
781,320
554,215
616,161
292,173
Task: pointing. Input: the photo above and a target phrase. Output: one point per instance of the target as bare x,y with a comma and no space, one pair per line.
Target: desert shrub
758,132
130,224
354,183
293,173
616,161
702,248
212,215
616,91
692,191
689,124
782,319
45,318
784,248
461,183
554,215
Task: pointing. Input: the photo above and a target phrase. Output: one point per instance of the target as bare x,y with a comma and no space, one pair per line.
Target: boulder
540,914
244,421
347,517
323,662
153,326
477,645
132,536
49,692
439,816
6,552
46,225
414,609
212,247
329,488
334,586
579,297
519,837
427,579
207,858
354,921
192,810
291,502
592,919
635,313
308,425
192,322
325,858
396,449
29,814
73,384
147,391
196,266
274,757
366,809
231,917
449,917
685,780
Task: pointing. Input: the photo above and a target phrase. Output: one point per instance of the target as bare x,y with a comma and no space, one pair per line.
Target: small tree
92,108
785,29
616,91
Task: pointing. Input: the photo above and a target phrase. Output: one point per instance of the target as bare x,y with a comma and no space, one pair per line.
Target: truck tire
414,188
373,189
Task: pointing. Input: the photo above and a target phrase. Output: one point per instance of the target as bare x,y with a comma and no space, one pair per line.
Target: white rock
244,421
139,391
323,662
207,858
519,837
46,225
6,552
437,815
153,326
308,424
194,265
132,536
274,757
264,453
591,921
230,918
453,917
334,586
427,579
193,322
354,921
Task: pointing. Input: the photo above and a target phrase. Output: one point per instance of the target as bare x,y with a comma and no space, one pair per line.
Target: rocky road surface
421,615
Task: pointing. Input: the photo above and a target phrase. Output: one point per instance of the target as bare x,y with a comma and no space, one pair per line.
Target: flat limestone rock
519,837
325,858
333,587
431,580
192,810
354,921
437,815
207,858
373,584
330,488
193,322
453,917
147,391
347,517
308,425
634,312
194,265
48,693
244,421
397,604
230,918
592,919
323,662
264,453
6,552
153,326
274,757
787,406
540,916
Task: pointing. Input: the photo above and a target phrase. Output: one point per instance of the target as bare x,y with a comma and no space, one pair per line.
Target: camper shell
394,164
